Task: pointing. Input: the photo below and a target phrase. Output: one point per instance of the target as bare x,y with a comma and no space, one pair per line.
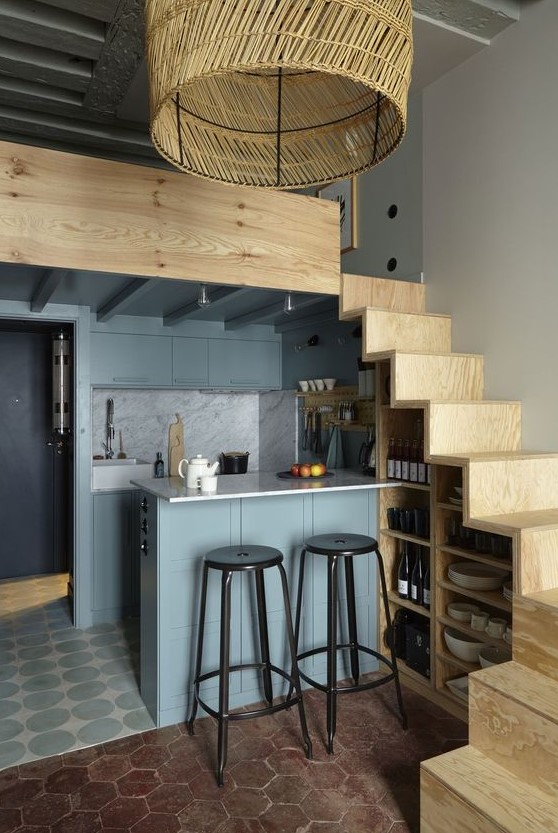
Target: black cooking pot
234,462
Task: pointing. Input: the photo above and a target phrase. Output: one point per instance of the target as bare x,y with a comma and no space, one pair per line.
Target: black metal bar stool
334,547
230,560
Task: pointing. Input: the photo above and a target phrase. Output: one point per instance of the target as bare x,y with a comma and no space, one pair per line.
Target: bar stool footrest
348,689
264,710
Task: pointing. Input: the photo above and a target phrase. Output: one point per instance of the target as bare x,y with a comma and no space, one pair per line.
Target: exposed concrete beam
120,302
120,58
480,18
48,283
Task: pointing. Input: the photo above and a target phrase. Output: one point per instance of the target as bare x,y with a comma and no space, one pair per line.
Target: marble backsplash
262,423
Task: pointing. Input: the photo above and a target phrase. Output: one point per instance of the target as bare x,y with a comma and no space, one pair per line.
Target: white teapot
195,468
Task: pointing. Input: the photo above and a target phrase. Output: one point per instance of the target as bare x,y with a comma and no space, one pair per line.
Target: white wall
490,213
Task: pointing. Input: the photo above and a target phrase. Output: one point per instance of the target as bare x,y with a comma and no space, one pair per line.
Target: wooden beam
267,313
44,66
328,314
218,297
32,23
118,304
48,283
74,212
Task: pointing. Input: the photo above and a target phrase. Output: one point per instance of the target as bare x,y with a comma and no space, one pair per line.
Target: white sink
116,474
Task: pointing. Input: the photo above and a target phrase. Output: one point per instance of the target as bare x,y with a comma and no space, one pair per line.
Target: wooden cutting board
176,445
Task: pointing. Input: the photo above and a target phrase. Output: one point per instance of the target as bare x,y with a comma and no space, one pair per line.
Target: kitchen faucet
109,452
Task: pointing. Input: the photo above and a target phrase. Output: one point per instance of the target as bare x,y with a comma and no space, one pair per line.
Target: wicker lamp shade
278,93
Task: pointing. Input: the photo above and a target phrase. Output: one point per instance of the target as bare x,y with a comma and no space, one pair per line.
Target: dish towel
335,458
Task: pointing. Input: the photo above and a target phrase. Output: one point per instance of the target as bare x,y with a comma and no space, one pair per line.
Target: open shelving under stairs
506,779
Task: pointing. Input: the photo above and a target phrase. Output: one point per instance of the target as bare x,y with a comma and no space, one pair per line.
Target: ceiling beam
328,314
121,56
33,23
268,313
45,66
48,283
218,297
99,9
477,18
120,302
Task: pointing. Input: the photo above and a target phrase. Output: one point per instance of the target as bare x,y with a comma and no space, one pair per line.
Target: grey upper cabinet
235,363
190,362
131,360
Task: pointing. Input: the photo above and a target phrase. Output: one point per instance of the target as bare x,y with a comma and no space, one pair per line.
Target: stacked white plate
507,591
473,575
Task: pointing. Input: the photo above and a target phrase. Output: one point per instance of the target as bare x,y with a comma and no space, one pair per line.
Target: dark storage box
417,647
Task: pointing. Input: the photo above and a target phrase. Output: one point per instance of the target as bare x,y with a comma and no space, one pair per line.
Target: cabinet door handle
144,504
145,526
244,381
144,547
132,380
189,380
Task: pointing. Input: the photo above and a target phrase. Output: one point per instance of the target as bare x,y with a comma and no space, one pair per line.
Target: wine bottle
426,586
406,460
404,573
398,458
413,463
421,469
416,579
390,462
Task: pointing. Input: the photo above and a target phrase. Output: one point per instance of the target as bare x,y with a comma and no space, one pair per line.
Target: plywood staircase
506,779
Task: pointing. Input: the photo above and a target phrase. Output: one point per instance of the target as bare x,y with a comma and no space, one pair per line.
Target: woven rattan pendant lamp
278,93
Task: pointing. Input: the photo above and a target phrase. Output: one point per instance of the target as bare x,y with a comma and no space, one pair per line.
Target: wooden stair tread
537,519
524,685
389,354
548,598
462,458
493,791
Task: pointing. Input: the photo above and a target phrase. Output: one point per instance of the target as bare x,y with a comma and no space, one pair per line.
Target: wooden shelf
405,671
451,506
472,555
463,627
448,658
404,536
407,484
396,599
492,598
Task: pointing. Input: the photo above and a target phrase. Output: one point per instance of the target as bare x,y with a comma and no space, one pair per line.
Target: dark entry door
33,508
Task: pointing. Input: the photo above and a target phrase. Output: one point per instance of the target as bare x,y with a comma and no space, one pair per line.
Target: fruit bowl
288,475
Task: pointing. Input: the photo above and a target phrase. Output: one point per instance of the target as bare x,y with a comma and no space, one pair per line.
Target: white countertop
259,484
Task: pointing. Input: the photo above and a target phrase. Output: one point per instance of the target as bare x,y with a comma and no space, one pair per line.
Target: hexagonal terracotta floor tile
288,762
94,795
324,805
77,822
169,798
109,768
46,809
67,780
287,789
366,819
203,816
124,812
284,818
251,773
324,775
245,802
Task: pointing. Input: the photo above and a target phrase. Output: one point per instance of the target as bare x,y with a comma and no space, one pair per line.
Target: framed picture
344,193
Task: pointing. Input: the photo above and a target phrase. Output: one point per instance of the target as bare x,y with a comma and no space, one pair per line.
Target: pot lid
198,460
236,453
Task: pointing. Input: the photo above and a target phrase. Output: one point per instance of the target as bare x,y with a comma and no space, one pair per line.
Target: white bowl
494,655
462,612
304,386
330,383
462,646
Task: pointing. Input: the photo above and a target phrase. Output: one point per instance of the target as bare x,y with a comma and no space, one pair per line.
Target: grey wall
335,356
490,213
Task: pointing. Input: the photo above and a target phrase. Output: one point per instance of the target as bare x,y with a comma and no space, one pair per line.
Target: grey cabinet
124,360
238,363
115,556
190,362
131,360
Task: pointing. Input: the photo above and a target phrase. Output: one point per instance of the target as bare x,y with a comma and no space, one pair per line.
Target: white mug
479,620
208,484
496,628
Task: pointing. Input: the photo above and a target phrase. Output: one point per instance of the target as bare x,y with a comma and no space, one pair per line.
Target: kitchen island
179,525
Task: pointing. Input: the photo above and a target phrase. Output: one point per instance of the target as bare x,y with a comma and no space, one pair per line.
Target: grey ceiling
73,77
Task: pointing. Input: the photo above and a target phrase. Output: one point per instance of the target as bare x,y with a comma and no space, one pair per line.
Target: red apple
304,470
295,470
